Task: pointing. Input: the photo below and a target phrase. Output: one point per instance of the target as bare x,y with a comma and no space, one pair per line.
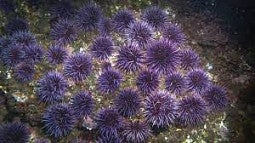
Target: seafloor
220,31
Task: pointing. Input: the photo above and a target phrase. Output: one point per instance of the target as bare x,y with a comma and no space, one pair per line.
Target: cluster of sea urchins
184,98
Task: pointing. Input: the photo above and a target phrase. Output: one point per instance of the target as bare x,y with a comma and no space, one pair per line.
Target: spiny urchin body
128,102
147,81
12,55
23,38
216,98
122,19
15,25
59,120
173,33
56,54
189,60
34,54
129,59
24,72
162,56
62,9
155,16
51,87
136,132
109,81
14,133
105,26
78,67
139,33
175,83
102,48
109,122
63,32
109,139
192,111
83,104
7,6
160,109
197,81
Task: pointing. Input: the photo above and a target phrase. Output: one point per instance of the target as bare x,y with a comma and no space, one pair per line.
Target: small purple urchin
88,16
162,56
216,98
175,83
122,19
109,81
51,87
83,104
109,122
128,102
23,38
154,16
56,54
189,60
105,26
173,33
160,109
7,6
64,32
147,81
102,48
136,132
109,139
12,55
139,33
197,81
59,120
34,54
192,111
78,67
129,59
15,25
62,9
24,72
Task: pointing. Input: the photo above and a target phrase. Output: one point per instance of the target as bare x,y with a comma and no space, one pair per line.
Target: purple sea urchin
175,83
14,133
197,81
109,122
127,102
78,67
83,104
136,132
33,53
191,111
154,16
189,60
160,109
23,38
173,33
51,87
102,48
147,81
109,139
56,54
15,25
162,56
129,59
12,55
62,9
24,72
109,81
59,120
64,32
105,26
122,19
216,98
7,6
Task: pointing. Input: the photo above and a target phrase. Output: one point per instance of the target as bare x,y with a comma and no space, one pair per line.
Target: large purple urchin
109,122
147,81
109,81
15,25
64,32
189,60
136,132
122,19
162,56
216,98
33,53
78,67
14,133
51,87
56,54
83,104
154,16
173,33
88,16
192,111
197,81
12,55
139,33
24,72
160,109
102,48
59,120
105,26
23,38
129,59
175,83
128,102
